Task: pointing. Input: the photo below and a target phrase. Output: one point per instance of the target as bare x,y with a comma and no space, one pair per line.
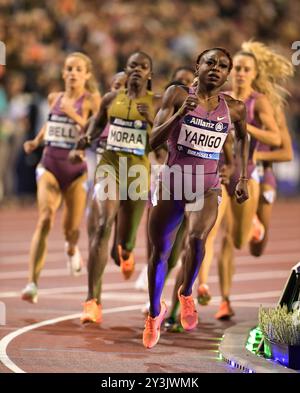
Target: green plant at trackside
280,325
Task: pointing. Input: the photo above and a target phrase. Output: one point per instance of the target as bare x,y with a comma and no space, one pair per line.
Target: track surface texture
54,341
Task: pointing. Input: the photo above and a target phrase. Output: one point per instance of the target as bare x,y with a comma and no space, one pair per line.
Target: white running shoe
74,262
141,283
29,293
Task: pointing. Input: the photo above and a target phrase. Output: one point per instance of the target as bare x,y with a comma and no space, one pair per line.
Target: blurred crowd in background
39,34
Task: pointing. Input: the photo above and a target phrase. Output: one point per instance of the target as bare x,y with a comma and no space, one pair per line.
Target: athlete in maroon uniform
195,125
57,178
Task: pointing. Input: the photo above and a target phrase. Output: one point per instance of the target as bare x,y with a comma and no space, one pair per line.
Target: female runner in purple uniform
195,124
57,178
258,73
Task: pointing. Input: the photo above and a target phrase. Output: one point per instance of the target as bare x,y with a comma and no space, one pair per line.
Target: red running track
63,345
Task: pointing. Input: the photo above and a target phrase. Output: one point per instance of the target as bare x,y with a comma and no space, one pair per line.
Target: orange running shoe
258,231
151,332
188,315
203,296
225,311
127,265
92,312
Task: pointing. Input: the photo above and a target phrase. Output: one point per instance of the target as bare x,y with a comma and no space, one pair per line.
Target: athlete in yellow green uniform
122,177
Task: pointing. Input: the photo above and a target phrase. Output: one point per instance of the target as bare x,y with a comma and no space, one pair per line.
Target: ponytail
273,70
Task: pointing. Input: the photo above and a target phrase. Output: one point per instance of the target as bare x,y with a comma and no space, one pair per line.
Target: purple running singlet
251,167
195,145
60,137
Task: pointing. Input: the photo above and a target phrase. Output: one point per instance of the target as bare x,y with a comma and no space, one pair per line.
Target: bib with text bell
61,131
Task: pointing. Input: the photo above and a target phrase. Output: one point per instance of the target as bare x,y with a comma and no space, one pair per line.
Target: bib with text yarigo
201,137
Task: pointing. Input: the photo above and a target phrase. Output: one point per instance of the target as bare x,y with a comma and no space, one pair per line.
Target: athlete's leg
164,222
178,250
142,280
75,202
243,215
101,220
226,255
91,161
226,266
200,223
114,248
149,207
180,273
209,246
48,198
177,246
129,218
264,213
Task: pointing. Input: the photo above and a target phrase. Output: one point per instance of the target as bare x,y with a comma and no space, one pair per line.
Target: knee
196,244
196,237
160,254
104,227
46,220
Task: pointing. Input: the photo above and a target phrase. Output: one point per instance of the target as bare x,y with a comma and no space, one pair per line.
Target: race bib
201,137
61,131
129,136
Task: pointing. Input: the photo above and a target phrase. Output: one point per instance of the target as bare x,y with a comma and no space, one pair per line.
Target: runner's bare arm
96,124
174,97
269,134
285,151
144,109
226,170
33,144
238,117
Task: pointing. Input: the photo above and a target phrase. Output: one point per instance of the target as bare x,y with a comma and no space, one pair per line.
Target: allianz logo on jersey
60,118
137,124
207,124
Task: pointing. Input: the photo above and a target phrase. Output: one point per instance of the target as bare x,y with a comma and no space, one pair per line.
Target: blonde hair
273,70
91,84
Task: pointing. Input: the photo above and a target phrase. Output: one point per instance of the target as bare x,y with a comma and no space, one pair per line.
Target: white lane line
252,305
249,296
60,272
121,296
57,249
134,296
242,260
240,277
78,289
53,256
5,359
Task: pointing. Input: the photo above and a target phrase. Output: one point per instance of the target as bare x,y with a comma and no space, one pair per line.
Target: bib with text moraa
128,136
